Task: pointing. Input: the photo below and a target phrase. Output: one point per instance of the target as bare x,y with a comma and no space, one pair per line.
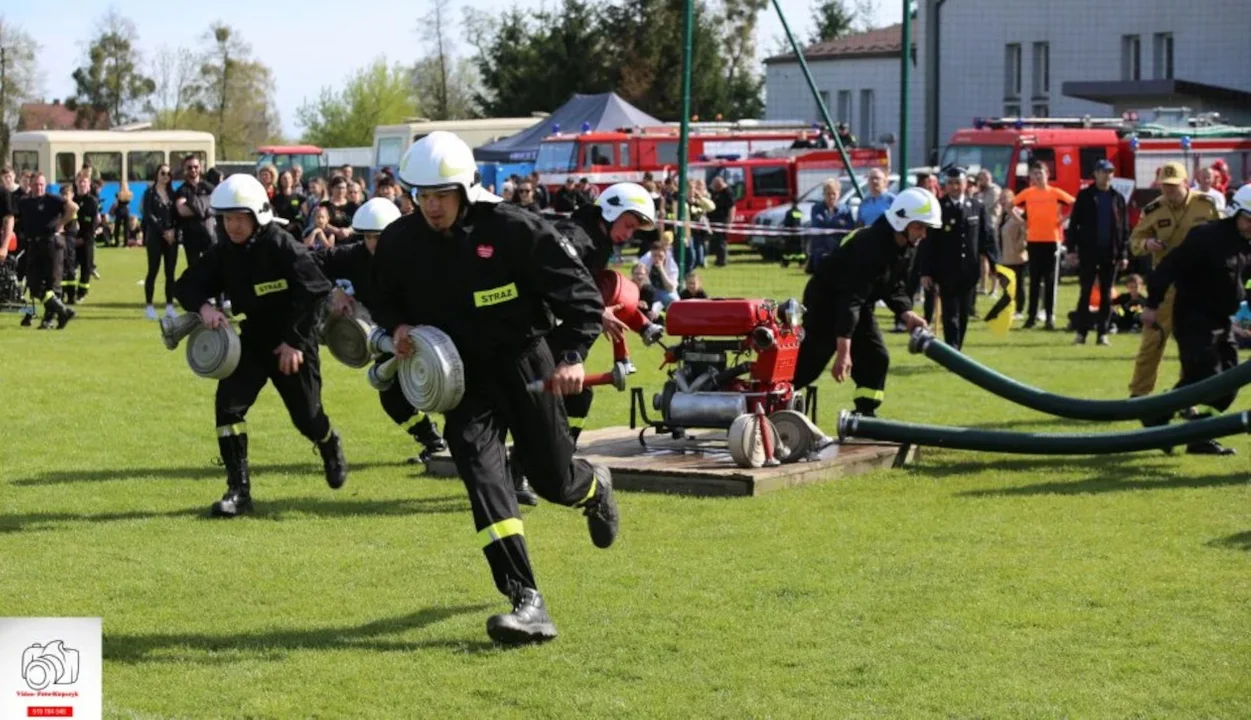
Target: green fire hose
1150,406
852,425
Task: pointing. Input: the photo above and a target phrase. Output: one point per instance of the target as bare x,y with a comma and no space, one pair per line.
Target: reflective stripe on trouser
1151,349
500,530
238,428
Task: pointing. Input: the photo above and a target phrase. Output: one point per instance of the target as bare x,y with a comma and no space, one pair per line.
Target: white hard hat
627,197
375,215
1241,202
243,192
914,205
441,160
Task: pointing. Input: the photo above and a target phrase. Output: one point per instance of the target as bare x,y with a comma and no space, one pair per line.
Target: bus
115,156
392,141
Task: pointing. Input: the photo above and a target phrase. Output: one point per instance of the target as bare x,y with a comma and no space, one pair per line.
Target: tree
375,95
444,88
832,19
19,77
174,72
437,65
744,85
110,85
233,97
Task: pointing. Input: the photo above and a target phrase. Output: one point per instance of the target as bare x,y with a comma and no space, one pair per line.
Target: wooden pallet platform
664,467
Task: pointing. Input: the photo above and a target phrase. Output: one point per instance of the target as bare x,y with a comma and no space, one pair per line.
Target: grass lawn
969,585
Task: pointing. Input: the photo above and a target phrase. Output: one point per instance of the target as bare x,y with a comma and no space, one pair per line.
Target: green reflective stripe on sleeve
576,422
500,530
847,238
234,429
870,394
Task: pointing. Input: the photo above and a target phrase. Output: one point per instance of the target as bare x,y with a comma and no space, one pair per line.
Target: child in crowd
319,237
1127,307
694,288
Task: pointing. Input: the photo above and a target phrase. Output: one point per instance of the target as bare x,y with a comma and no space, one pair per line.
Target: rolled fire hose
347,337
432,378
852,425
211,354
1150,406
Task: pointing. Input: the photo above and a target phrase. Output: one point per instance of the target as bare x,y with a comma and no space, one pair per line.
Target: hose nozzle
920,340
846,425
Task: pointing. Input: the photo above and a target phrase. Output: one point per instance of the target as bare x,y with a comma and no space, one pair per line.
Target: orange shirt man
1044,210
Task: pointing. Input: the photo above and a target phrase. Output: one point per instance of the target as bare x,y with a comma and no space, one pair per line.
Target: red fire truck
1070,147
778,177
625,155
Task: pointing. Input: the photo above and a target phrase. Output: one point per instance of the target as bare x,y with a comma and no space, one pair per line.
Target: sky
307,48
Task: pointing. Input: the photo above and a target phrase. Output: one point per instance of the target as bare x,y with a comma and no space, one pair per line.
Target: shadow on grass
265,510
906,370
1237,541
1111,474
201,472
224,648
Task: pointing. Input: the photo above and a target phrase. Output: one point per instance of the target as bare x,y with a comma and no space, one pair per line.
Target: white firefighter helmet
1241,202
375,215
914,205
627,197
243,192
441,160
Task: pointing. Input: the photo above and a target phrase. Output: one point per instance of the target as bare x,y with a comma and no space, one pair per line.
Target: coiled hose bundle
432,378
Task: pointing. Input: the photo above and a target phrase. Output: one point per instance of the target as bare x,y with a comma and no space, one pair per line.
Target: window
175,161
105,166
867,116
666,153
65,168
994,158
1088,156
1042,69
555,157
597,154
1163,56
844,106
24,160
141,165
734,177
624,150
390,150
1011,110
1040,110
1012,70
770,182
1131,57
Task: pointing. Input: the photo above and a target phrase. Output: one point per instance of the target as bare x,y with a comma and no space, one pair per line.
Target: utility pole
905,59
4,103
680,231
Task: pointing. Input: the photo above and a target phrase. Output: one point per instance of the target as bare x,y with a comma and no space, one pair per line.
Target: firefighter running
495,278
1206,275
870,264
274,281
351,266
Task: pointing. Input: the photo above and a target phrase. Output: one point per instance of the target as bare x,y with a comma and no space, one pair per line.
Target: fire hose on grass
1149,407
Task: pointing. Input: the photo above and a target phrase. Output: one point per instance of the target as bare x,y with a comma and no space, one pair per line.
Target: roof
881,42
606,111
1111,91
51,116
106,136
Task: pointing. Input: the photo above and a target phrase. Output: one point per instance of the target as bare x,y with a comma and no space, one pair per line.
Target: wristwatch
571,357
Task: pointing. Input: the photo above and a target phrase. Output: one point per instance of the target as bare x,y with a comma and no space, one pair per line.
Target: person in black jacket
567,199
723,197
160,238
273,279
951,256
870,264
495,279
350,267
191,207
1099,232
84,241
1208,272
40,215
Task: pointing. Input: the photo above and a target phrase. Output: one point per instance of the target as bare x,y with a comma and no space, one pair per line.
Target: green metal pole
816,95
679,235
905,53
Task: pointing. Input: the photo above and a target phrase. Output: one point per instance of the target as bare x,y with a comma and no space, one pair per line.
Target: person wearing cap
350,268
274,280
1206,277
870,264
1164,224
950,258
507,288
1042,207
1099,235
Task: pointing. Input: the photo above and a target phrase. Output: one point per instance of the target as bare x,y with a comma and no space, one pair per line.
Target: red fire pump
714,386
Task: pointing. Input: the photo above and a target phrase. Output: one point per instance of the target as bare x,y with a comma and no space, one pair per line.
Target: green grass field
969,585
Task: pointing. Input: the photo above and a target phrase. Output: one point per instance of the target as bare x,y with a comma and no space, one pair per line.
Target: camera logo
49,664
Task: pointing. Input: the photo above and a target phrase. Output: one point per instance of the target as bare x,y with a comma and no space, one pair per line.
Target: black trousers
45,266
717,247
957,306
496,402
1205,349
121,228
870,360
160,252
1104,270
301,392
1042,276
85,260
194,247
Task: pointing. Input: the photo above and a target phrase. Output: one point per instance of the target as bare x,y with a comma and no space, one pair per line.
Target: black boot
426,433
525,494
238,497
527,623
1209,447
63,314
28,318
332,458
602,519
